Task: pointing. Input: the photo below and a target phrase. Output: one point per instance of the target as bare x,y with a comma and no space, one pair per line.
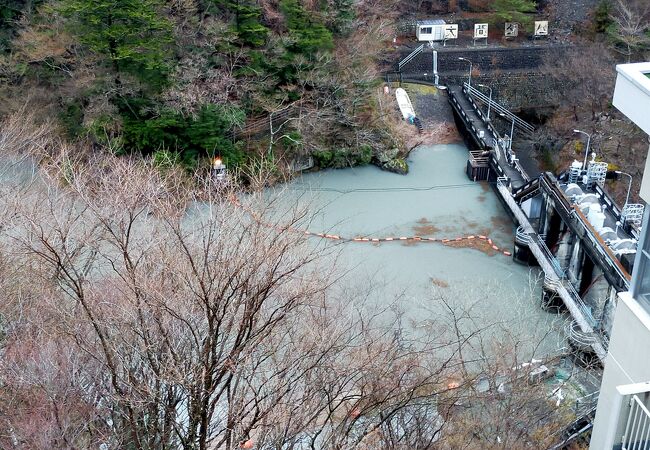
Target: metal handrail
637,427
519,123
410,57
547,253
562,279
522,236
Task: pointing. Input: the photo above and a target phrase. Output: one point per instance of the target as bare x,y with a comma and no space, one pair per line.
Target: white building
430,30
623,413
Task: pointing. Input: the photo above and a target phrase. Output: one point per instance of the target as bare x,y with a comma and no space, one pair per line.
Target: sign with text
541,28
451,31
480,30
512,29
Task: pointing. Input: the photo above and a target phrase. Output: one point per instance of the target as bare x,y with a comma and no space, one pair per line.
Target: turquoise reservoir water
435,199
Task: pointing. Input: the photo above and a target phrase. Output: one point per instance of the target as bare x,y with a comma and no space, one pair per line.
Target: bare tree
147,310
632,25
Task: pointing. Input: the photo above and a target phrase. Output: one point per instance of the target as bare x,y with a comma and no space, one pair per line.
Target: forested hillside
178,79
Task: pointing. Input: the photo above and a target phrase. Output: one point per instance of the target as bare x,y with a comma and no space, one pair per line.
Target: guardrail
410,57
557,268
462,112
499,109
574,216
602,247
626,423
393,77
637,426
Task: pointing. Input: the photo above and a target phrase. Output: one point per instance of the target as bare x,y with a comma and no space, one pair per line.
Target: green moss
343,157
420,89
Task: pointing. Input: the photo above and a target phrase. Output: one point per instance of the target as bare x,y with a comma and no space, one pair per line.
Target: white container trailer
430,30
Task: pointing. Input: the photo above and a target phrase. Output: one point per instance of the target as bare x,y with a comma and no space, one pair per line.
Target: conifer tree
133,34
309,34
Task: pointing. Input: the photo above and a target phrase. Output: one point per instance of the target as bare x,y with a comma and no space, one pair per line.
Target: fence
519,123
637,427
262,125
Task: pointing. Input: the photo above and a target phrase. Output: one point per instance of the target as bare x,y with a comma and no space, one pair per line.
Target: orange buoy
470,237
388,239
507,253
480,236
495,247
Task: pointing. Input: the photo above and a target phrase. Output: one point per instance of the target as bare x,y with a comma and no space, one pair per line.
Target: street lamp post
584,164
512,132
489,101
629,186
469,80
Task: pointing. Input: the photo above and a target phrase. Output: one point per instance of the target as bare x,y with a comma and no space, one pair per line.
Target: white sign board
451,31
512,29
480,30
541,28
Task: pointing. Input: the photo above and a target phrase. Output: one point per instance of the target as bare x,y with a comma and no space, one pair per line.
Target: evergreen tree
602,16
132,34
248,21
343,18
308,34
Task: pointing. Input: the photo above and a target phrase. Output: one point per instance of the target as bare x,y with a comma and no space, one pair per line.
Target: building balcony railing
637,426
629,420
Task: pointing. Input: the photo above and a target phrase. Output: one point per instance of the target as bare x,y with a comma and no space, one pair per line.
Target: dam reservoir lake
435,200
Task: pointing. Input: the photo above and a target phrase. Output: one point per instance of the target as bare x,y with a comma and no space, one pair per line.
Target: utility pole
469,79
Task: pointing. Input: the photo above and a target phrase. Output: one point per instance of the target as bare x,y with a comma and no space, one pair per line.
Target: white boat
405,105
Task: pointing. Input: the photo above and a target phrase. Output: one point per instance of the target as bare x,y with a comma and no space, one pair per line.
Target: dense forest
179,79
246,80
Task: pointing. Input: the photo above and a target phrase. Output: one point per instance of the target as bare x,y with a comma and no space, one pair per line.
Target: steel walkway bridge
552,230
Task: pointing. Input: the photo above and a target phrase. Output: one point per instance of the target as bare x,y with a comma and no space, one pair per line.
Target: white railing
624,422
637,427
519,123
503,181
633,213
410,57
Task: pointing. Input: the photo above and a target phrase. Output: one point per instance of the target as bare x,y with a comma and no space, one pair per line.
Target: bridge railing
602,248
569,212
519,123
463,114
521,170
506,157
